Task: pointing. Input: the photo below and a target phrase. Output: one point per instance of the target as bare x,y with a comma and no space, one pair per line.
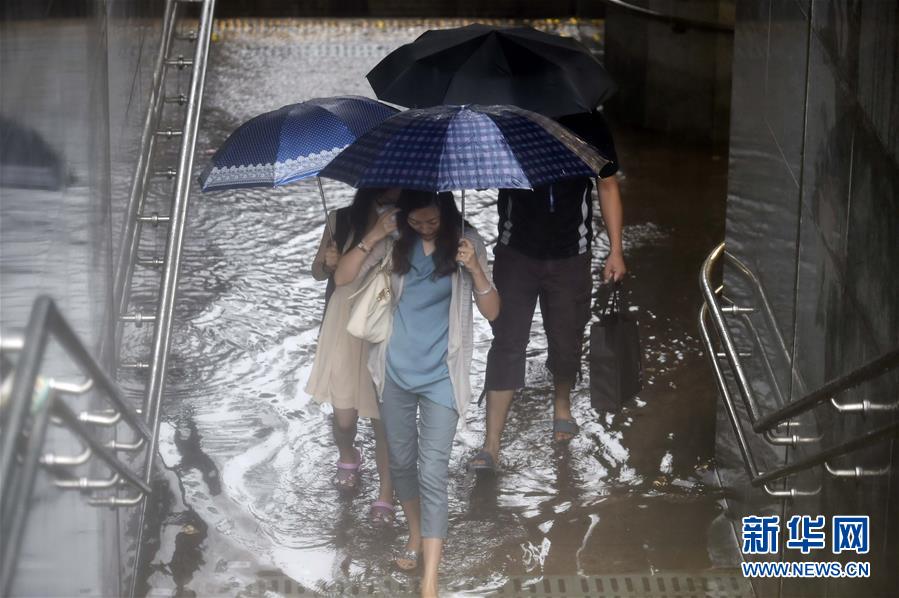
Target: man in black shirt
543,253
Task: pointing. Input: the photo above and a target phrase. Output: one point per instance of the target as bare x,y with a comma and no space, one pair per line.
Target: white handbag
371,310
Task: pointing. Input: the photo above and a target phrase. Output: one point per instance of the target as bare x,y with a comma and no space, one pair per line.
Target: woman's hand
467,257
332,256
385,225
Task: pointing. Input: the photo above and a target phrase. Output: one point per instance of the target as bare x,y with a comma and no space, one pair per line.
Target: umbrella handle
460,264
321,191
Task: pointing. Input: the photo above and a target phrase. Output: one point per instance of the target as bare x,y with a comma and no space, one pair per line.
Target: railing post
169,282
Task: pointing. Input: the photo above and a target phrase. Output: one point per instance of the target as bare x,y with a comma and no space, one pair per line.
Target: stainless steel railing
712,315
26,415
31,407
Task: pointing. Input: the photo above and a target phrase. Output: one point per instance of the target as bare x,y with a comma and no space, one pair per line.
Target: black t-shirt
556,221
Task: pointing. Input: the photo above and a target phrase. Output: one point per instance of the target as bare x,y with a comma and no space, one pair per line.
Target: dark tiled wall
813,210
671,79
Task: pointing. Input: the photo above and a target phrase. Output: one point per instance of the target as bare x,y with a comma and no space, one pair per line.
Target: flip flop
565,426
409,555
348,474
488,465
381,513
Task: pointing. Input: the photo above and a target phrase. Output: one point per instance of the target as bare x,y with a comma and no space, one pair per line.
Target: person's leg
343,425
436,429
382,459
565,306
432,551
398,414
516,280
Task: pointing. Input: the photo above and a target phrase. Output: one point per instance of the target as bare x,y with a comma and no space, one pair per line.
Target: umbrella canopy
479,64
291,143
448,148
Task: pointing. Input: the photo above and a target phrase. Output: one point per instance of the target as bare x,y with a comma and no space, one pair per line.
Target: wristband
482,293
361,246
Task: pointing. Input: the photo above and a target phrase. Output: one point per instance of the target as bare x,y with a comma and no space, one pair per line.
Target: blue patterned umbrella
447,148
291,143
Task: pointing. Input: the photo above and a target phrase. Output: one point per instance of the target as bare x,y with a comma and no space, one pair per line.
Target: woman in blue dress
421,371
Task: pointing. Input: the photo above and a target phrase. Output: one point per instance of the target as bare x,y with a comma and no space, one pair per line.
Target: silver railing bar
727,340
179,62
873,368
153,262
107,417
84,484
138,318
115,501
744,354
179,99
130,240
71,388
856,472
865,406
169,133
130,447
737,310
155,219
13,344
730,351
791,439
51,459
136,365
889,430
745,451
71,420
761,423
168,173
169,280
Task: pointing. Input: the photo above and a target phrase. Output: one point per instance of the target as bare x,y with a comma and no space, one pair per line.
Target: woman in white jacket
421,371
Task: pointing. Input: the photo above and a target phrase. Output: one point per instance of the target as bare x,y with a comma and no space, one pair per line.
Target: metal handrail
885,363
710,307
44,322
762,423
169,281
772,377
745,451
684,22
130,239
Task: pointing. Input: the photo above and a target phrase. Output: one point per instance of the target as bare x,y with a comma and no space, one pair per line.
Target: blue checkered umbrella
291,143
447,148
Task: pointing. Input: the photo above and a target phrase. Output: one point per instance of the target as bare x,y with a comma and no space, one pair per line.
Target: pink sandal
348,474
381,513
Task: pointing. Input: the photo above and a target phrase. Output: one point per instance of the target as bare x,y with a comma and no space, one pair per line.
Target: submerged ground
248,458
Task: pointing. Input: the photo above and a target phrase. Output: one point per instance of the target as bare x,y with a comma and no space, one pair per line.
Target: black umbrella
479,64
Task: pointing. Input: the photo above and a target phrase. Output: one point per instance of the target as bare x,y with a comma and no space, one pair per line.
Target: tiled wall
78,87
813,210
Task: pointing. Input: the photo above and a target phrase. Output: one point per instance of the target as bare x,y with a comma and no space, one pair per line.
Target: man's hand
614,269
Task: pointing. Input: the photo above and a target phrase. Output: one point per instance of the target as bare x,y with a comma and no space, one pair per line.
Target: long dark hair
447,241
359,212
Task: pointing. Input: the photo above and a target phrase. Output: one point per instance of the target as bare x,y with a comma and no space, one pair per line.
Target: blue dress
416,353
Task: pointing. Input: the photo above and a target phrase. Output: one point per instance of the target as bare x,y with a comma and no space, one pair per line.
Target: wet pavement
247,459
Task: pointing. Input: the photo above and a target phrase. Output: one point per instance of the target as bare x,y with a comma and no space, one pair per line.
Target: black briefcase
615,356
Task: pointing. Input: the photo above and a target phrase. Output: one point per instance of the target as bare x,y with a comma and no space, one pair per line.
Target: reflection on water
249,457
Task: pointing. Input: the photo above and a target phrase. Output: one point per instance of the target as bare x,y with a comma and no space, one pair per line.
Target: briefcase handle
611,299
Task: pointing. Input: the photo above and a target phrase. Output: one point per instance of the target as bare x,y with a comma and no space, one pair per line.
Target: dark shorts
563,287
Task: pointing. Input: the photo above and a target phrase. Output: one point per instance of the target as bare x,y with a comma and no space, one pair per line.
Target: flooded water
248,458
